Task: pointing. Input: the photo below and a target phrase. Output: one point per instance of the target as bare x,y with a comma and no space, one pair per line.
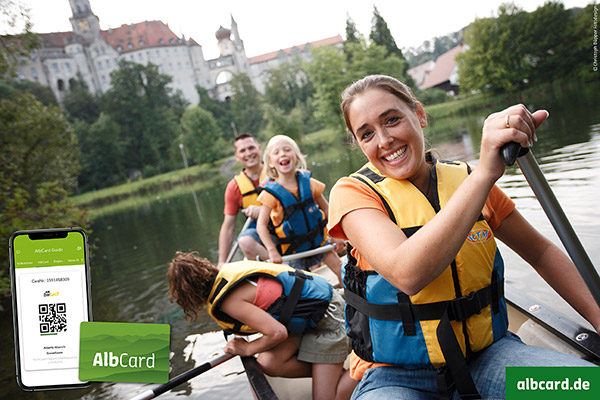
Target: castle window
60,84
97,52
34,73
107,63
103,79
167,52
130,45
157,53
68,65
119,48
161,41
99,65
131,57
171,40
179,65
141,42
103,50
141,56
55,68
148,54
20,74
170,66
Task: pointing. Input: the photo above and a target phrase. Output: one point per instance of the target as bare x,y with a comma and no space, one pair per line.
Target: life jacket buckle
465,307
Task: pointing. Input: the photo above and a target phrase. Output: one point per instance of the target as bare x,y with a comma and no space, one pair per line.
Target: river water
135,243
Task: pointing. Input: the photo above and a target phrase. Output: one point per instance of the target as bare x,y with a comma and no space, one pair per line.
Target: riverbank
193,179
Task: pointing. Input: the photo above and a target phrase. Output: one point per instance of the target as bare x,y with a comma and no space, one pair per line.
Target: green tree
80,103
39,170
374,59
496,59
352,35
382,36
551,51
142,104
328,72
579,29
201,136
103,166
42,93
287,86
246,104
221,111
17,41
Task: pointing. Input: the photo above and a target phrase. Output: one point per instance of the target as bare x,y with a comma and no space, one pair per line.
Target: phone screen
50,300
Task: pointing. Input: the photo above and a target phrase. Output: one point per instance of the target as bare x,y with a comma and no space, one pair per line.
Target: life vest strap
292,300
294,240
456,362
459,309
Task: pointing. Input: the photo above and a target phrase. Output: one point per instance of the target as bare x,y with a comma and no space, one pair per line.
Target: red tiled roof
59,39
140,35
444,65
272,55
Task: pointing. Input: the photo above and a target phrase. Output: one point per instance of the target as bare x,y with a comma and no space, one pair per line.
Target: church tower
84,22
237,41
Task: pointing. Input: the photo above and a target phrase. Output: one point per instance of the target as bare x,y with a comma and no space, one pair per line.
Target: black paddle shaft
538,183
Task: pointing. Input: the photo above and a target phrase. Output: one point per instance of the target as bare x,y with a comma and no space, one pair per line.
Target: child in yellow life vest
294,211
299,315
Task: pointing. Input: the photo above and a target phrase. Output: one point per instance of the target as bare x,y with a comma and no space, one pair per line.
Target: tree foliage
201,136
39,170
221,111
246,104
17,43
142,104
80,103
382,36
518,49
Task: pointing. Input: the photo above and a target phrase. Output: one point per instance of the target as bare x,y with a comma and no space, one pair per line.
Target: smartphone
50,297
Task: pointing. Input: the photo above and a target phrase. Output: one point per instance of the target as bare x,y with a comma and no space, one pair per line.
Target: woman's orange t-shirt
349,194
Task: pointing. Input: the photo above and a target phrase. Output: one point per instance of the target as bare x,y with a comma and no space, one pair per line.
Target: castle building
95,53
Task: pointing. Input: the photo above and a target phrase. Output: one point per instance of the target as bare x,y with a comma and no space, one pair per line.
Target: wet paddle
538,183
186,376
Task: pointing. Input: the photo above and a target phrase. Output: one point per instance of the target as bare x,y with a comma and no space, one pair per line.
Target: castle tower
237,41
84,22
226,47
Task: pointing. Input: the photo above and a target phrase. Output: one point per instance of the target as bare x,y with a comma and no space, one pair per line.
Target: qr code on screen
53,317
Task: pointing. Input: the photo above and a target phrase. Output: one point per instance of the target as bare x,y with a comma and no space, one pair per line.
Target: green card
124,352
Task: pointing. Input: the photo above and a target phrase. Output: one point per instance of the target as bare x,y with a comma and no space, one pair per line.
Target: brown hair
244,135
383,82
190,281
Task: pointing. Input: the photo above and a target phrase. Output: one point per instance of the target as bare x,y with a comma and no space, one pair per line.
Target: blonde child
254,297
294,211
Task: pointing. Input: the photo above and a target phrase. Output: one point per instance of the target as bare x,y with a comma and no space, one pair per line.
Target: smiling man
240,194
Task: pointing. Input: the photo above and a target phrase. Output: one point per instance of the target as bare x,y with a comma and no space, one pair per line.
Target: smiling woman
424,267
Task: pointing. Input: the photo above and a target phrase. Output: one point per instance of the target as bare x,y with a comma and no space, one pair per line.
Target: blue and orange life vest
301,306
303,225
461,312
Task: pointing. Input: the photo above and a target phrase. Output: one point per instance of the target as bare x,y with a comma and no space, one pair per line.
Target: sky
270,25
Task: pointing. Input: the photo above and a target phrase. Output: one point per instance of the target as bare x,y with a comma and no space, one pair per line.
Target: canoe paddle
538,183
235,245
186,376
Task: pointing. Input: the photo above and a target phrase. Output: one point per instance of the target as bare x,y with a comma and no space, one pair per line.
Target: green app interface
51,290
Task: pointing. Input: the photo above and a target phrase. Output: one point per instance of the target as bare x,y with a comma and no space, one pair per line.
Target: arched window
61,85
224,77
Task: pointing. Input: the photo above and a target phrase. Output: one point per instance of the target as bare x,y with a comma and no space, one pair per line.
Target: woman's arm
411,264
551,263
265,236
239,305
